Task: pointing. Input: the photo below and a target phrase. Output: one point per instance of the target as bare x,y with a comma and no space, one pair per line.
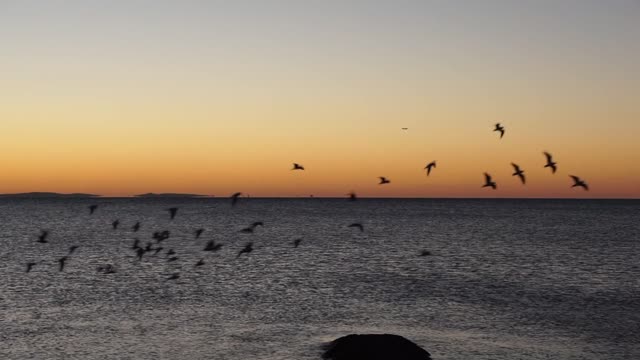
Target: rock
374,347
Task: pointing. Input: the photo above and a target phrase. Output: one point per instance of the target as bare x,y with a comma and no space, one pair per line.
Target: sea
499,279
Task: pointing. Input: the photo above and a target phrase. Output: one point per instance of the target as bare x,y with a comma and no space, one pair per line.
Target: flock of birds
211,246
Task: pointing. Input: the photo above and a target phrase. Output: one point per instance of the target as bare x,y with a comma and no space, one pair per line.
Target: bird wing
575,178
515,167
549,159
487,177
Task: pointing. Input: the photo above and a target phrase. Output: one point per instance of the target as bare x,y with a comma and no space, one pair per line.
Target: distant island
40,195
170,195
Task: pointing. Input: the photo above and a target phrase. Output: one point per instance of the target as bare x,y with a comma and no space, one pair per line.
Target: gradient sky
213,97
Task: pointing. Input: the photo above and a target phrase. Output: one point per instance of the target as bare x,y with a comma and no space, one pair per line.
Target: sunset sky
213,97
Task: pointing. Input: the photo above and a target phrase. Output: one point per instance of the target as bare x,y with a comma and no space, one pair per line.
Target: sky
212,97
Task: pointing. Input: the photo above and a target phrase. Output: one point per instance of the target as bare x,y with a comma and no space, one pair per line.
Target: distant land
170,195
37,195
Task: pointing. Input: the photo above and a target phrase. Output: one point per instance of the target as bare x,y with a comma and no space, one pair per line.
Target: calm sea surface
506,279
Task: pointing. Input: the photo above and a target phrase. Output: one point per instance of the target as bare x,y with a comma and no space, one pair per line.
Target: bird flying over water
488,182
174,276
297,167
430,166
199,233
212,246
247,249
425,253
61,263
235,197
72,249
115,224
250,229
199,263
172,212
550,163
518,172
29,266
42,238
577,182
92,209
136,227
357,225
383,180
499,128
296,242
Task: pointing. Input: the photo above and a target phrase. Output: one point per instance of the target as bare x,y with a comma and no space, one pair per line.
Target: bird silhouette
297,167
42,238
199,233
136,227
247,249
296,242
172,212
212,246
425,253
252,227
405,128
430,166
577,182
172,259
72,249
234,198
115,224
139,253
550,163
199,263
61,263
518,172
136,244
92,209
352,196
499,128
160,236
174,276
30,265
170,252
357,225
157,250
488,182
383,180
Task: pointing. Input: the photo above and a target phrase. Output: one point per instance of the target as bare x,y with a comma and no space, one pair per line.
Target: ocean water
506,279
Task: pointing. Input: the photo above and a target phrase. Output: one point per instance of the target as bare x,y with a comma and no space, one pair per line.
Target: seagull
172,212
170,252
92,209
518,172
199,263
579,182
383,180
247,249
352,196
72,249
174,276
499,128
212,246
199,232
250,229
488,182
161,235
550,163
296,242
357,225
136,227
234,198
171,259
29,266
115,224
61,262
425,253
297,167
430,166
42,238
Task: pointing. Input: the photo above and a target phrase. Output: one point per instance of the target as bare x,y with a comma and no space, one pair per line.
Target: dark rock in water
374,347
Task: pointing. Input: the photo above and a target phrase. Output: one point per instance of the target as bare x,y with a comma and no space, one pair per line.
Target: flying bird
212,246
357,225
92,209
518,172
139,253
136,244
488,182
61,263
247,249
297,167
72,249
115,224
42,238
171,259
499,128
29,266
199,233
172,212
430,166
296,242
405,129
136,227
425,253
250,229
174,276
383,180
577,182
199,263
550,163
235,197
170,252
